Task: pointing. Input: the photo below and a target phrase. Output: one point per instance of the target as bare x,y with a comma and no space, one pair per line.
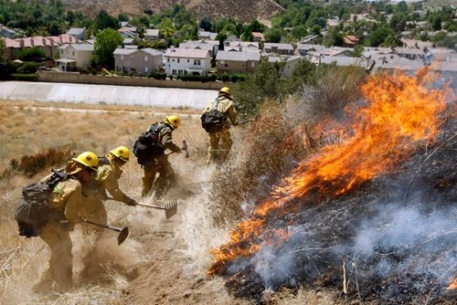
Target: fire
399,112
453,285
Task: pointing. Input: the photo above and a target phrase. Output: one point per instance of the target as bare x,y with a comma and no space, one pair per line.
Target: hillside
244,11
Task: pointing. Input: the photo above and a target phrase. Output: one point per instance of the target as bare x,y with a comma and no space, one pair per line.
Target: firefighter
220,142
108,174
67,199
160,164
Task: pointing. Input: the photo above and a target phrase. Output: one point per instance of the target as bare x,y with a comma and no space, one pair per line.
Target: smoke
380,241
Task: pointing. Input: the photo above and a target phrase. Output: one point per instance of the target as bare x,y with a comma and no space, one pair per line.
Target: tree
106,42
273,35
104,20
205,24
2,49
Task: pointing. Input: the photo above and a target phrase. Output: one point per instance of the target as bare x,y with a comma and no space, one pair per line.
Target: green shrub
25,77
27,68
225,77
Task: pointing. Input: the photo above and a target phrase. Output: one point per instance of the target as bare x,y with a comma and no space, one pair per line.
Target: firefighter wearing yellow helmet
67,199
106,181
217,117
159,163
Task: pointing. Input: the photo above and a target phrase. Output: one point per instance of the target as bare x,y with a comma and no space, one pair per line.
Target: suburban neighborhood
205,56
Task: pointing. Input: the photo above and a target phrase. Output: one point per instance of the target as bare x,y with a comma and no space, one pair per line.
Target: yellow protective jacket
107,178
165,137
67,198
227,107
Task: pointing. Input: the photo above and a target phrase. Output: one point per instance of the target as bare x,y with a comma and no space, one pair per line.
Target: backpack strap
56,177
103,160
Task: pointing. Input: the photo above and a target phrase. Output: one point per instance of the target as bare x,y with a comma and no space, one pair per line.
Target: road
106,94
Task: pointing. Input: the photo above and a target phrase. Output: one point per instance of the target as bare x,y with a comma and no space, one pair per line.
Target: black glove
132,202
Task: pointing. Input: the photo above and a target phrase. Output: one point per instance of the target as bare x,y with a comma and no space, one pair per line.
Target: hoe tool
170,208
184,148
124,232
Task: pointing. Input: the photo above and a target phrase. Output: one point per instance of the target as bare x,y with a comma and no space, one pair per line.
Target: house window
197,62
252,64
145,58
168,59
188,60
61,52
73,53
178,60
173,72
122,57
146,69
180,72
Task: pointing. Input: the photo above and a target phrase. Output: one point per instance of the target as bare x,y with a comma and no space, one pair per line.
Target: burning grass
338,215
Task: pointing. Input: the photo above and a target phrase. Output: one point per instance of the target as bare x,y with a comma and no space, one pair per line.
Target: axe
184,148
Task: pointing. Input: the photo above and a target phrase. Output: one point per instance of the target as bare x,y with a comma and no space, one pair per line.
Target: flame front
399,113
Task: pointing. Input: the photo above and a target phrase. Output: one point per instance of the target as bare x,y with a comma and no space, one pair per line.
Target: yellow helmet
225,90
88,159
121,152
173,120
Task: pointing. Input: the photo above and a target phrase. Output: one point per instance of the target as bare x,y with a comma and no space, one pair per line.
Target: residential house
128,32
187,61
409,53
310,39
78,33
237,62
304,48
145,60
442,55
206,35
49,45
75,56
258,37
340,61
350,41
417,44
152,34
12,49
241,46
211,45
289,63
278,48
395,62
6,32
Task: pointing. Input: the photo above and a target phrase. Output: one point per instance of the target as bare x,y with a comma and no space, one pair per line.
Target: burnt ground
391,241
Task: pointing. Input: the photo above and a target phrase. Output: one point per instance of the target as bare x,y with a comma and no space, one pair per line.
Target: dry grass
30,129
211,199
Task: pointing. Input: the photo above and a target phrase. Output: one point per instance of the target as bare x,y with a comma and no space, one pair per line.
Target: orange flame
400,113
453,285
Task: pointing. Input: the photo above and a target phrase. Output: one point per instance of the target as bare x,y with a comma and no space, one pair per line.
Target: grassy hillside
246,10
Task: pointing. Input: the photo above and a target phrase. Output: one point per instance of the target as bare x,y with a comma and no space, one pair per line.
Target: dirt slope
241,10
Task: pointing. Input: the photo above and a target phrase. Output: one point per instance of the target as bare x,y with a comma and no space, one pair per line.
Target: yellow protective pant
164,181
60,269
220,144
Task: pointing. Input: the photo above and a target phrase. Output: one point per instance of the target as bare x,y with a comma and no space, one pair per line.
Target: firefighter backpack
33,211
147,146
213,120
